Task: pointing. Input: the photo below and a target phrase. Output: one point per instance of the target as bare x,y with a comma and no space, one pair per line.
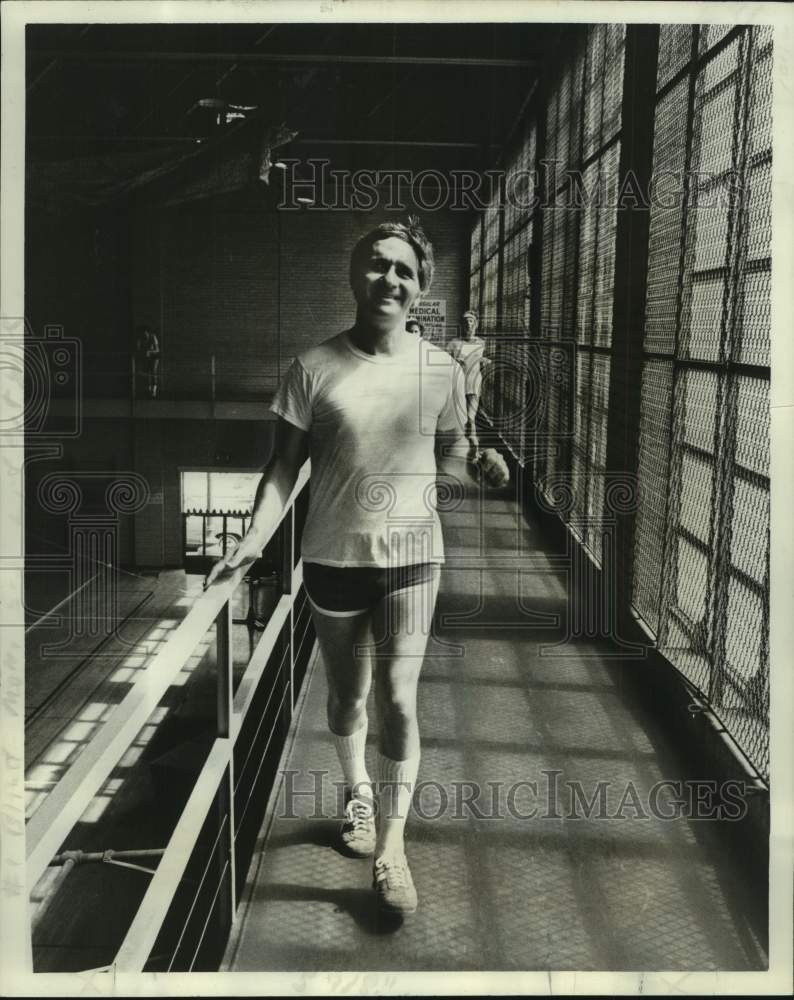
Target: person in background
415,327
148,350
468,350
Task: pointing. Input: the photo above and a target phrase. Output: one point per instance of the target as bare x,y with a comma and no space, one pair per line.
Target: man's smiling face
387,283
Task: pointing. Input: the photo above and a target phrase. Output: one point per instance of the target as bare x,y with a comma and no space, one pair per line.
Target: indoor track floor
503,702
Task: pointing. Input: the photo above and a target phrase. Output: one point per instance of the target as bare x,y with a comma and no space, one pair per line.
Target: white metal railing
53,820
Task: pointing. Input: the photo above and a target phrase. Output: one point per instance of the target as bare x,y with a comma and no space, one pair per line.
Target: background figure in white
148,349
468,350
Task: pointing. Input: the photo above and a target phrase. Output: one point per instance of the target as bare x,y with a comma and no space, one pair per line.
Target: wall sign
432,314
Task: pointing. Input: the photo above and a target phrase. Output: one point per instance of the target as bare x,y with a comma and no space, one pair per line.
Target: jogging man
369,406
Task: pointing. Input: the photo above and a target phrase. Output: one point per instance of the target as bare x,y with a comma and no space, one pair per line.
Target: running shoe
391,879
358,828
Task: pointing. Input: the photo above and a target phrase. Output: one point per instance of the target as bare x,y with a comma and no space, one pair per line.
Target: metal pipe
271,57
80,857
409,143
69,860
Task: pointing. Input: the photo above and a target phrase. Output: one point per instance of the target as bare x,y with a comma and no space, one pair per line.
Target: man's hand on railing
247,551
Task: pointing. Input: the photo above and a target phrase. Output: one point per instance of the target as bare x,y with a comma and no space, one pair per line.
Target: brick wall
162,448
226,276
254,287
155,449
77,276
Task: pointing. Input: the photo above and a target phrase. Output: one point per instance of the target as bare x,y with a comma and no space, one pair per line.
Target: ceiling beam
406,143
386,142
452,62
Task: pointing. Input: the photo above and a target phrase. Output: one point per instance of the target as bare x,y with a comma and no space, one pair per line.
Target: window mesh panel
563,122
583,120
666,223
476,243
489,295
570,238
697,496
547,242
510,350
514,371
558,388
697,390
560,223
749,528
515,284
597,451
594,89
490,236
474,291
553,271
581,414
745,694
752,334
578,485
613,80
553,425
520,183
605,255
752,425
540,450
576,113
701,578
710,34
675,50
652,472
588,246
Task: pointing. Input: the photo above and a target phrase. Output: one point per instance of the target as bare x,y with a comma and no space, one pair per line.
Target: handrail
52,821
50,824
146,924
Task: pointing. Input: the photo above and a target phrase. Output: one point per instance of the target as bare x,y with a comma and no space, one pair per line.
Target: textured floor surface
519,733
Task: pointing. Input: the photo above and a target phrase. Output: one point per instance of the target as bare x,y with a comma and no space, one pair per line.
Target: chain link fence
701,554
545,283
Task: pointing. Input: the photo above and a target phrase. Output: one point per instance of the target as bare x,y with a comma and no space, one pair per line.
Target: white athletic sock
351,752
396,781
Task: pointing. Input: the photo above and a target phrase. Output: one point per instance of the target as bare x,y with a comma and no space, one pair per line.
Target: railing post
287,534
224,662
223,638
287,565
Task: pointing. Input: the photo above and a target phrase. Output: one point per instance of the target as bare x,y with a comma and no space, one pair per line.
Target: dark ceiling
373,96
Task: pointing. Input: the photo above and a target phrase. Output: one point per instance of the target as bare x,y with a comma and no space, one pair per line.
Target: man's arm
462,442
459,441
273,491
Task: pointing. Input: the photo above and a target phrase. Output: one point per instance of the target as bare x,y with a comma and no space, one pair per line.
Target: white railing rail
53,820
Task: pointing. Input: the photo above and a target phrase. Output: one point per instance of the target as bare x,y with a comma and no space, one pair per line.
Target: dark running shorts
344,591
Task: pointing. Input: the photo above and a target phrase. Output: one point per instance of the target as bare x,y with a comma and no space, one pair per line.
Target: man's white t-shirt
372,421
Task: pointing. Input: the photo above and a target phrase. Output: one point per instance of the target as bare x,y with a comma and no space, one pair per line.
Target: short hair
412,233
413,321
472,313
